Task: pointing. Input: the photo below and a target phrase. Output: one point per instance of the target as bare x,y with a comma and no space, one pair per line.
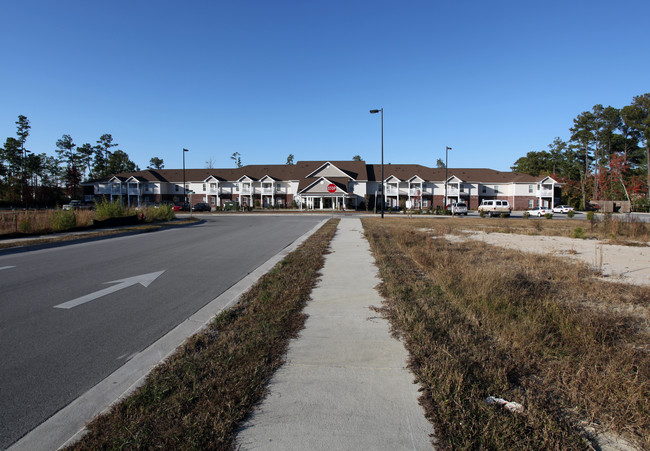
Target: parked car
202,206
495,207
539,211
77,205
562,209
181,207
458,208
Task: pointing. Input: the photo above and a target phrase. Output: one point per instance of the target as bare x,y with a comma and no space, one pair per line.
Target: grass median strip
197,397
480,321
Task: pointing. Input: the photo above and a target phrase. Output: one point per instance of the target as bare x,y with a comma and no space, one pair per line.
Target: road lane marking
144,280
6,267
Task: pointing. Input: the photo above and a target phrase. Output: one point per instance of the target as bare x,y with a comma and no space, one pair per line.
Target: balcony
134,191
245,191
390,191
415,192
267,191
453,191
214,191
544,193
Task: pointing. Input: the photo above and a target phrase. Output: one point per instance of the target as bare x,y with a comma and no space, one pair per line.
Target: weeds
196,399
481,321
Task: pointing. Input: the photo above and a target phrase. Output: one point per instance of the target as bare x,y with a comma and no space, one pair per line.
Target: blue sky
493,80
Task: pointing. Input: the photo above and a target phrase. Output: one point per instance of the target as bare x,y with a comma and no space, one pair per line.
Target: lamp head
374,111
448,148
185,150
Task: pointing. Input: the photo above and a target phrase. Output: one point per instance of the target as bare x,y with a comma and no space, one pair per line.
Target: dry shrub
480,321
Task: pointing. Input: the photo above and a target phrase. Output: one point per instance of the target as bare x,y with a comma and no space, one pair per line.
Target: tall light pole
381,110
184,190
447,149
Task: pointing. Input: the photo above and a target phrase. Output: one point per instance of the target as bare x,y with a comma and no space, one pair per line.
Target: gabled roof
319,185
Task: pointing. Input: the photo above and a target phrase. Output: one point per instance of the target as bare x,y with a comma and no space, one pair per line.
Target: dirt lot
630,264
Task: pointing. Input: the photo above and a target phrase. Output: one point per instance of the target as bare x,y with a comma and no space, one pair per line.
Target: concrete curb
68,425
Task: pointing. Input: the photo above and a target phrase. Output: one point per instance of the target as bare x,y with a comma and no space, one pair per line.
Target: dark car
201,206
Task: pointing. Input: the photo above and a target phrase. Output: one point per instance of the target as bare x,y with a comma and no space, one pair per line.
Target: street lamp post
381,110
447,149
184,189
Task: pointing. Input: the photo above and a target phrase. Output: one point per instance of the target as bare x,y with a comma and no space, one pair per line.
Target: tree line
28,178
606,157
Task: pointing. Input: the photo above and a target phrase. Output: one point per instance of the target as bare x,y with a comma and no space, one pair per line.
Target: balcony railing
267,191
390,191
415,192
134,191
545,192
214,191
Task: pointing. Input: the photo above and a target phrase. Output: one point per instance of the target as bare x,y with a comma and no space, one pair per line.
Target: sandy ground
630,264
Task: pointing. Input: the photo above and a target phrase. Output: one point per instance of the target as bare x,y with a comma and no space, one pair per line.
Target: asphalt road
50,355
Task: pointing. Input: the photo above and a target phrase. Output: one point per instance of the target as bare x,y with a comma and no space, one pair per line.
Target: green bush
482,213
162,213
61,220
591,215
571,213
504,215
24,225
548,215
107,209
526,215
578,233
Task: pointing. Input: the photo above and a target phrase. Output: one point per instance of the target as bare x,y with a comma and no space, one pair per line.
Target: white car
539,211
562,209
458,208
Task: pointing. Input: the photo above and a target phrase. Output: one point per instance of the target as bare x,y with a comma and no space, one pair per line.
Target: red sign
331,188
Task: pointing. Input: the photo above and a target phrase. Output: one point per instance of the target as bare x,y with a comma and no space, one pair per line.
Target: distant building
317,185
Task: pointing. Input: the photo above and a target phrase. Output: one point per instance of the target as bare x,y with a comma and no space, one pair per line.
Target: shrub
590,215
107,209
548,215
504,215
526,215
578,233
162,213
24,225
61,220
571,213
482,213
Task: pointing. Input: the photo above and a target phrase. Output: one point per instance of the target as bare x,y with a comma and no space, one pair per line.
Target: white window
204,187
531,202
531,188
213,185
496,189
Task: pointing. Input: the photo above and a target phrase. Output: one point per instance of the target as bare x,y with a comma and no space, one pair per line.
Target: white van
495,207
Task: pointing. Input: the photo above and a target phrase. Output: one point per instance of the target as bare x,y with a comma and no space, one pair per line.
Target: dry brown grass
196,399
481,321
614,229
35,222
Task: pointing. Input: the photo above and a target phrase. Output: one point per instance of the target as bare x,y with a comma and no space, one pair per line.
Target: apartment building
315,185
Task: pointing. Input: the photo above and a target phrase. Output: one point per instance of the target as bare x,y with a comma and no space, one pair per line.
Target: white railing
214,190
390,191
452,191
545,192
415,192
267,191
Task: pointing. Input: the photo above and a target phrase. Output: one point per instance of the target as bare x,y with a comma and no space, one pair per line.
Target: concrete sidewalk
344,385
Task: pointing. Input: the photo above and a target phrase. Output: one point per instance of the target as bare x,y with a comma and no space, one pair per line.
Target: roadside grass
483,321
198,396
39,222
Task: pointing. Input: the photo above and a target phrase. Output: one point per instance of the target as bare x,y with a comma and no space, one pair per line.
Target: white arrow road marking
144,280
6,267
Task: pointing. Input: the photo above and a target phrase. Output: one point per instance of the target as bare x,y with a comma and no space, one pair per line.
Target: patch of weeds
61,220
578,232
